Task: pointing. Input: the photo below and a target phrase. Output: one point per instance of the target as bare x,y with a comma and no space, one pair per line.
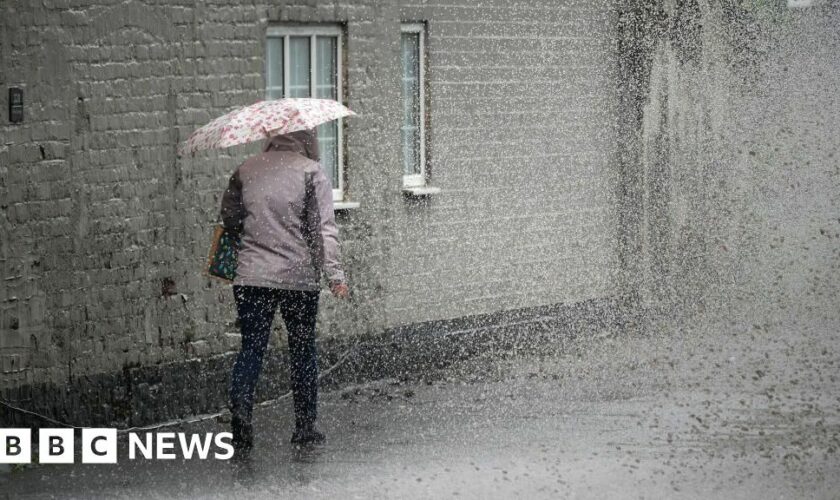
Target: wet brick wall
521,122
103,311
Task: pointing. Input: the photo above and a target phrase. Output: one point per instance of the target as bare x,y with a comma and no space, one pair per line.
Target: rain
549,249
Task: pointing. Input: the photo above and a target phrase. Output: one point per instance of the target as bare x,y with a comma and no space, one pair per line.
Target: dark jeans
256,307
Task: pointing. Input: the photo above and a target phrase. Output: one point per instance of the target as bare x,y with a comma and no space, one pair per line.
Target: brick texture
521,140
105,229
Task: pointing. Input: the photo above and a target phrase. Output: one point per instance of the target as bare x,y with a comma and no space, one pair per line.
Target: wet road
729,409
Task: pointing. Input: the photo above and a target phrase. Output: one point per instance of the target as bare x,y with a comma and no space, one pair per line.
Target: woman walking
280,202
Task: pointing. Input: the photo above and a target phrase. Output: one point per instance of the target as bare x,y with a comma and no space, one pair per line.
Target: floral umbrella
262,120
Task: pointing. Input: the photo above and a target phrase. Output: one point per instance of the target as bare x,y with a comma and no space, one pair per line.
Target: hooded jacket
280,202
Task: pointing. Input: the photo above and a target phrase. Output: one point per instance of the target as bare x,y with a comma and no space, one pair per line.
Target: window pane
411,103
274,68
325,87
328,147
299,69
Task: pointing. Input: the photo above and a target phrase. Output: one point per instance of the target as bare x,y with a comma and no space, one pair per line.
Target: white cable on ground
44,417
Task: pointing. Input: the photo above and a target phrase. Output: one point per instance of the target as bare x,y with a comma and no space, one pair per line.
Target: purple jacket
280,202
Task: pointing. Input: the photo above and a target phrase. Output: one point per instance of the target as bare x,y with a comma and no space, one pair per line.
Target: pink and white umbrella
262,120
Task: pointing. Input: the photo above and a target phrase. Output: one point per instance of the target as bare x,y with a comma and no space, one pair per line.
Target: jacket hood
304,142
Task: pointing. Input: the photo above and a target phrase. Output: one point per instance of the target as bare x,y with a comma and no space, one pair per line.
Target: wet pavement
724,409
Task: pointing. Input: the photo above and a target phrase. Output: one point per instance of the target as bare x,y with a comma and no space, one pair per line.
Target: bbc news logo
100,446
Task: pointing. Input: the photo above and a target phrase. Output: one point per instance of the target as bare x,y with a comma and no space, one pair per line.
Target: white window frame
418,180
312,31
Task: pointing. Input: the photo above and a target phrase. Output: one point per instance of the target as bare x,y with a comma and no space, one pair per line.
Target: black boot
243,436
307,434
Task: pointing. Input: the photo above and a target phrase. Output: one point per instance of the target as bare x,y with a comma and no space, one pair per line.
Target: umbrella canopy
262,120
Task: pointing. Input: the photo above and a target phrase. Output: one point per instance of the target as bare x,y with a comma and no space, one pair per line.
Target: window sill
420,190
345,205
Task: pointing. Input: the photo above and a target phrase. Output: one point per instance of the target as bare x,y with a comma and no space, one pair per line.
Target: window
414,108
305,61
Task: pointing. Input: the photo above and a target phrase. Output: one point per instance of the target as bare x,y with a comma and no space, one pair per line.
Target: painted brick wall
104,229
521,127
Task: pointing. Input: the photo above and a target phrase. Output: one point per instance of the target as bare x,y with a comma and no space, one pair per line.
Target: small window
303,61
414,107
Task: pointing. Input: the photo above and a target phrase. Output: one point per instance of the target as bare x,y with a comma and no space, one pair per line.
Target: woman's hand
340,290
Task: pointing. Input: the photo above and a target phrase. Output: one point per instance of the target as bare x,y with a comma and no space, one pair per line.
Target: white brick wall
521,127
